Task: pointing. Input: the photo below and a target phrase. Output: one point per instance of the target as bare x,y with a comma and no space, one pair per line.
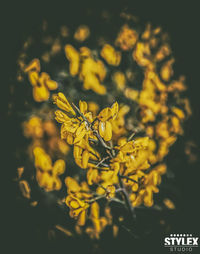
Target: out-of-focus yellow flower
42,160
34,65
118,124
166,71
178,112
33,127
119,79
72,185
90,71
169,204
142,54
99,223
131,94
126,38
41,83
93,107
73,56
163,52
176,126
162,129
82,33
111,56
47,174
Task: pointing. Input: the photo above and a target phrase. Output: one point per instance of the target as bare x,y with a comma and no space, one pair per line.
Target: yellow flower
41,83
72,185
119,79
61,101
42,160
105,126
90,71
118,124
166,71
92,176
47,174
141,54
82,33
34,65
111,56
168,203
76,205
73,56
33,127
163,52
83,152
127,38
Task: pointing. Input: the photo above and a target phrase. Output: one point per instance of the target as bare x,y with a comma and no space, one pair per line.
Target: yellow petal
33,78
61,117
82,218
74,58
108,131
61,101
83,107
85,158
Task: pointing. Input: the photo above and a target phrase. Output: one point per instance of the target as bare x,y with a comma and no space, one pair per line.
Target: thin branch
128,178
126,197
102,161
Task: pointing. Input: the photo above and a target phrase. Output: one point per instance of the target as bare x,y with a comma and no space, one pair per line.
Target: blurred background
26,228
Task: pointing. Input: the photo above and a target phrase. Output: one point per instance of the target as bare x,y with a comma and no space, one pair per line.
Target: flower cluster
41,82
119,150
47,174
119,168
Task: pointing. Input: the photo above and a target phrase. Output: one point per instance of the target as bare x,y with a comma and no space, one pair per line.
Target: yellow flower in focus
76,205
105,126
61,101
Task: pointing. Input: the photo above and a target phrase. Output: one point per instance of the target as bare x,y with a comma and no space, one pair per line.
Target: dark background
181,20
